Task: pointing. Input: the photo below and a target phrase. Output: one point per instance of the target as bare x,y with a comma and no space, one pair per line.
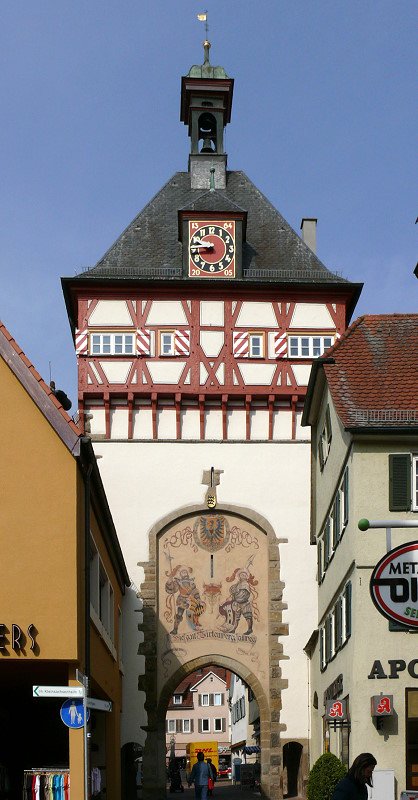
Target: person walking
200,775
212,779
359,777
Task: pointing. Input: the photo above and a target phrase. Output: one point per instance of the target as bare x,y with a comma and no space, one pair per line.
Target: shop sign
394,585
382,705
336,711
16,638
396,665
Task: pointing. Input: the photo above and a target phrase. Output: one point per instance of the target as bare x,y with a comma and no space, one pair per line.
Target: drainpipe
87,476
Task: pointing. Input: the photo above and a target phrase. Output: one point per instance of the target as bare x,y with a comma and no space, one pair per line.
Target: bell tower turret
206,102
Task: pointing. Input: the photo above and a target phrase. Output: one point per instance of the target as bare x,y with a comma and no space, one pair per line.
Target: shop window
403,482
112,344
412,739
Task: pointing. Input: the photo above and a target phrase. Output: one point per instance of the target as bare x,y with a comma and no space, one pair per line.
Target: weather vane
204,18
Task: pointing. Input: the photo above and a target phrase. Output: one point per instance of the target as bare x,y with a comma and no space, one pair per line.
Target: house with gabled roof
63,581
362,407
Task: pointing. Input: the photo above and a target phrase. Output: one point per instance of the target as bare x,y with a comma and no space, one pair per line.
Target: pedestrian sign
72,713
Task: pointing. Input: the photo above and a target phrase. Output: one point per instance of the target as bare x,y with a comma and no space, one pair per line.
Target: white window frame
169,336
177,699
256,341
217,725
186,725
217,696
304,345
206,720
112,347
205,697
171,726
414,483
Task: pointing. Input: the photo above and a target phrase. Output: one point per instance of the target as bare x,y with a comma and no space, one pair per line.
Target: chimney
308,228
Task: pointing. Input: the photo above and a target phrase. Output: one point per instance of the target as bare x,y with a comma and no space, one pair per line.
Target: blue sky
323,122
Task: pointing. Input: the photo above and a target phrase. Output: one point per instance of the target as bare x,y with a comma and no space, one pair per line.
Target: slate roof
150,247
372,373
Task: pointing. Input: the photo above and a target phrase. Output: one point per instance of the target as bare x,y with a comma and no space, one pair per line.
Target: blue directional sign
72,713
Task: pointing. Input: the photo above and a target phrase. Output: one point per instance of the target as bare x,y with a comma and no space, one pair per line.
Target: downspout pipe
87,493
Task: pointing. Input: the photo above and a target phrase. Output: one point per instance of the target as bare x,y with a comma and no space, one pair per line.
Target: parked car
224,772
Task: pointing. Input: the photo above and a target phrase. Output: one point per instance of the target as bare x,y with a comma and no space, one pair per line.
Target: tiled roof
40,392
374,375
273,251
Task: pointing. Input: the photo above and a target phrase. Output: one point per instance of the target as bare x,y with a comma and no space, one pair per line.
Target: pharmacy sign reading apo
394,585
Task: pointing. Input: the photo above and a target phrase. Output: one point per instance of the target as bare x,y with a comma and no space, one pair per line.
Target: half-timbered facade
195,334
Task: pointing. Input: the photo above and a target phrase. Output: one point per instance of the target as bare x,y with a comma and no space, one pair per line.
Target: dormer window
177,699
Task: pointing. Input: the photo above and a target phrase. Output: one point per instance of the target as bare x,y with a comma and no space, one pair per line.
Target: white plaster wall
311,315
166,313
257,315
165,371
282,424
212,312
142,423
211,342
259,423
213,423
301,373
116,371
190,423
146,481
236,423
166,423
256,374
118,423
110,312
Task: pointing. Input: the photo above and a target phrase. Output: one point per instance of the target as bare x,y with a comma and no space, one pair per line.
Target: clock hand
200,243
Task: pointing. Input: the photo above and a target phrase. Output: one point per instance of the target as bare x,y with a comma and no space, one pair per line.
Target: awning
251,749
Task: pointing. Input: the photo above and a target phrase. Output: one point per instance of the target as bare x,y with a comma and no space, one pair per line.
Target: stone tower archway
212,594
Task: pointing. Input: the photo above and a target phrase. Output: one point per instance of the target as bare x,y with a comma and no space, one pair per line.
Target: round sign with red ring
394,585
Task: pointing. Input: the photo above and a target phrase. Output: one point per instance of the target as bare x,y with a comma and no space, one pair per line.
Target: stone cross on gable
211,478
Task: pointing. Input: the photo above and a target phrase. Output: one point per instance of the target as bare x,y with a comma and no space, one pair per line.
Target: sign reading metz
211,249
394,585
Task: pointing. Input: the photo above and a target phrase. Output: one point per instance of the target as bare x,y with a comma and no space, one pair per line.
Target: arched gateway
212,595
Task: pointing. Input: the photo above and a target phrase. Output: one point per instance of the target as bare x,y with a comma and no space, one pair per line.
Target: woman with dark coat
359,777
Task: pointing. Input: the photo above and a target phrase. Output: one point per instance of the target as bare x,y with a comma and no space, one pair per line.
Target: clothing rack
38,782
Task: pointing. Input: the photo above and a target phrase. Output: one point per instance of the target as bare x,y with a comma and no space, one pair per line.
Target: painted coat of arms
211,532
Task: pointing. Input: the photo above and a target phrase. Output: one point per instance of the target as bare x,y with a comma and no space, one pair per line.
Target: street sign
394,585
72,713
98,705
58,691
81,678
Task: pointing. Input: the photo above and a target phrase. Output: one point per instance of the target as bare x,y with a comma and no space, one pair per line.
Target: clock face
212,249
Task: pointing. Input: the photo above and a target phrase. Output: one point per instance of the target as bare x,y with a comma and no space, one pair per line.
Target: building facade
199,712
195,335
363,410
54,512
